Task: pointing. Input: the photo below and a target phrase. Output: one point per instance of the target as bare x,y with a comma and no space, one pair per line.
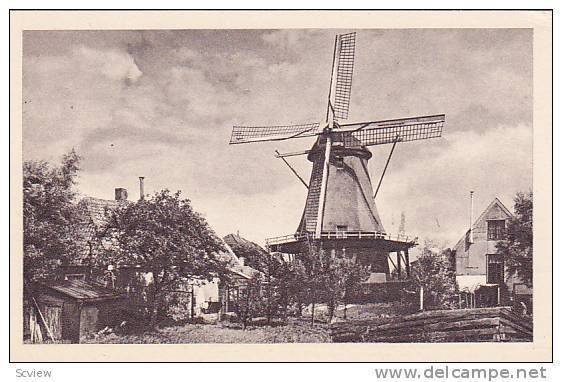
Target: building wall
133,280
70,316
96,316
471,259
205,292
71,321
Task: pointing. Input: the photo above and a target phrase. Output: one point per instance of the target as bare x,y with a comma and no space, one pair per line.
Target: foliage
250,301
166,238
342,277
434,272
328,278
296,287
50,216
517,248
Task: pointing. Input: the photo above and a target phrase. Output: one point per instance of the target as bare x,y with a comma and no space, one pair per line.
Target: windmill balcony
342,235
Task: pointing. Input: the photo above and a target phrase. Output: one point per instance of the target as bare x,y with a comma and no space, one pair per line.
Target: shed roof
82,290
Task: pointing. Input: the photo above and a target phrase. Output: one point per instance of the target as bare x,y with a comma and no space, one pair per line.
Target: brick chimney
121,194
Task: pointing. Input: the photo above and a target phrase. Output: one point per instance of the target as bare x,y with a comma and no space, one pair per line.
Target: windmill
340,212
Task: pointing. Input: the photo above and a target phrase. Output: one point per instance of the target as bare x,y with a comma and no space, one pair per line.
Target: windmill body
340,214
349,203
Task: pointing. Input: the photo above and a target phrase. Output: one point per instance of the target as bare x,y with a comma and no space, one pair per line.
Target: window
340,230
496,229
495,269
338,162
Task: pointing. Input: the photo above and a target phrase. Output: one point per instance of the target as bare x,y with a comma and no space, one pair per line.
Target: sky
161,104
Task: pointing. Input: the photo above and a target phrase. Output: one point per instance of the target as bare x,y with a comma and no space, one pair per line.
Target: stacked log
462,325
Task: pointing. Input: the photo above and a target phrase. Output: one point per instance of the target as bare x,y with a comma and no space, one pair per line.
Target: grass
295,331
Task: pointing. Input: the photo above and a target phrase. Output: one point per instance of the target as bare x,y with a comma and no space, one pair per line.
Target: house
72,309
480,270
200,296
241,251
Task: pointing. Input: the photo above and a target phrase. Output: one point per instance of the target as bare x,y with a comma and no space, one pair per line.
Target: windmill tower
340,212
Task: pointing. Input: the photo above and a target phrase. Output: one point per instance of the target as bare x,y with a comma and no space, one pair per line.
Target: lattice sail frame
352,135
247,134
388,131
344,75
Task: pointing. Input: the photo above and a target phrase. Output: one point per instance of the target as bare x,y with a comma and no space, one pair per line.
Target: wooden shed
71,309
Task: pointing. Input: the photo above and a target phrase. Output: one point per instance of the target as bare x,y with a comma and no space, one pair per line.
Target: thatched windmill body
340,212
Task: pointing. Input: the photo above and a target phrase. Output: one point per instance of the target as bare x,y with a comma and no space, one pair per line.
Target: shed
74,308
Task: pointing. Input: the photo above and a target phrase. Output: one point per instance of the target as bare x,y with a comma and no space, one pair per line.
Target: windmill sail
344,75
247,134
381,132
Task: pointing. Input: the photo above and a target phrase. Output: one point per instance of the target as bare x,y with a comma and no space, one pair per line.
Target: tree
168,240
275,276
314,278
353,274
51,218
328,278
342,278
296,285
517,248
250,301
433,272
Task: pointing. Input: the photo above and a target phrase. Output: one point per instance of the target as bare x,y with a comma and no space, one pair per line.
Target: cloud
161,104
433,189
285,39
113,64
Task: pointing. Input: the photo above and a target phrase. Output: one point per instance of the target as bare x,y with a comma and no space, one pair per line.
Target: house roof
235,265
94,219
495,202
240,247
82,290
244,271
96,208
240,244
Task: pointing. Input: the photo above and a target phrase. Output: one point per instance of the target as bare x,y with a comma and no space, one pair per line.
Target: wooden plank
432,325
525,322
431,320
401,324
440,313
485,334
443,326
514,326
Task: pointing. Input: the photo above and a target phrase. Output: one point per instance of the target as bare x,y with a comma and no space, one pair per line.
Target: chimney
141,185
241,260
121,194
471,237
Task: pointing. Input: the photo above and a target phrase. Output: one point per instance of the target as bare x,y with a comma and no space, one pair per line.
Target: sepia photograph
278,185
